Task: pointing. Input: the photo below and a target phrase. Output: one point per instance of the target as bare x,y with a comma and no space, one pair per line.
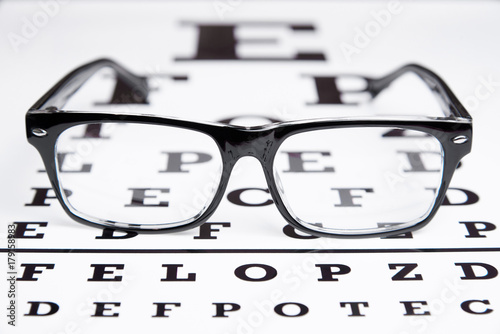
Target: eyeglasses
328,177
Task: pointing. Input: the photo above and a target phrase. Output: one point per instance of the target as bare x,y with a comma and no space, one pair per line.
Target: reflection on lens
359,180
138,174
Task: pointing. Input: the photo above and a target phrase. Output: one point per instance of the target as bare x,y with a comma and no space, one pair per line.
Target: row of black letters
296,162
327,272
347,197
223,310
42,196
210,230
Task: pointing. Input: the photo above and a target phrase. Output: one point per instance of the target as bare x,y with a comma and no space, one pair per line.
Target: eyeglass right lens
150,176
359,180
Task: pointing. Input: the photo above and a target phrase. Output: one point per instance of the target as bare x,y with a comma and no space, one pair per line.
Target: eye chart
245,270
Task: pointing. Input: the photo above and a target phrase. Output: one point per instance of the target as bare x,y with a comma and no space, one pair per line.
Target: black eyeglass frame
46,120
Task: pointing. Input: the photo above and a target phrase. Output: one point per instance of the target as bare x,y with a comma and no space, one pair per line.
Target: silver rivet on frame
460,139
39,132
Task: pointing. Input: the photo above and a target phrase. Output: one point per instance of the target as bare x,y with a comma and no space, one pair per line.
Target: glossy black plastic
46,120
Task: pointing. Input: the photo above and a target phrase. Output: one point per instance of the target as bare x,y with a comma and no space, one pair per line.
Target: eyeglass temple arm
449,102
58,95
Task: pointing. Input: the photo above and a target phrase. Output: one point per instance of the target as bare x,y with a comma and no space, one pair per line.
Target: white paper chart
246,271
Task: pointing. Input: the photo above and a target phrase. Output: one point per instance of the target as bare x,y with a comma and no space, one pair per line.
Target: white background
459,40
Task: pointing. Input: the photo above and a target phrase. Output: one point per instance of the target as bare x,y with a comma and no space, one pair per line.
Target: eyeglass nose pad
277,180
210,192
215,185
281,191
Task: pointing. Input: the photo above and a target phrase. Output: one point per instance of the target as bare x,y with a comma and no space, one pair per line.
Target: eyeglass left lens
129,173
359,180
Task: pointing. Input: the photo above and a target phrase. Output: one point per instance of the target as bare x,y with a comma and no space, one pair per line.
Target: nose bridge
256,143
